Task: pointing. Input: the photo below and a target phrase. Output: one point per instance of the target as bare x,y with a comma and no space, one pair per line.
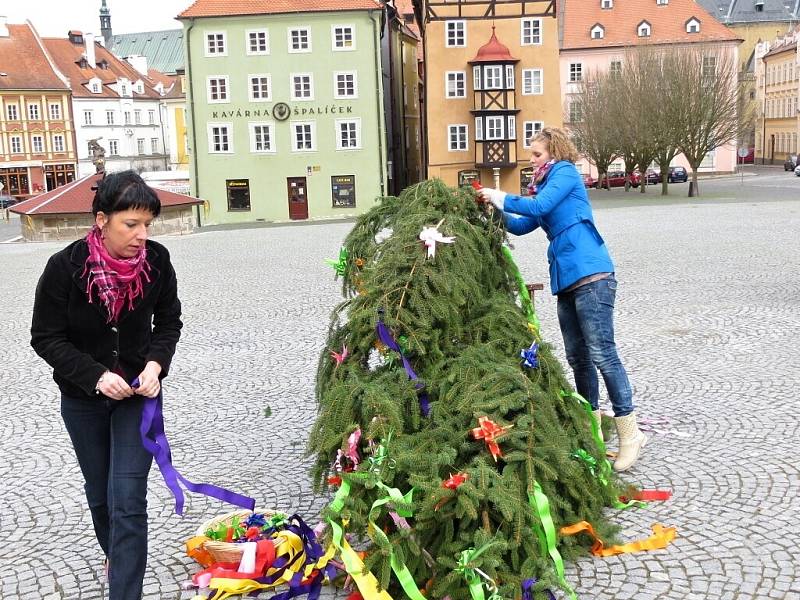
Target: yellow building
491,81
175,103
778,95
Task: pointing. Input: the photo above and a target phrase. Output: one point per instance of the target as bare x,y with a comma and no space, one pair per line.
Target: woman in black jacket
106,313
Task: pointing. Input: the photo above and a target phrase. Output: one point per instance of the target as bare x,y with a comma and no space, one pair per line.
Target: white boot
598,418
631,441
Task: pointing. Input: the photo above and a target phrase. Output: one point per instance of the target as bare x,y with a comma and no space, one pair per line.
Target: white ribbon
431,235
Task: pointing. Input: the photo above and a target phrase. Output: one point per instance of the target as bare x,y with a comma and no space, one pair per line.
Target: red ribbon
653,495
488,430
455,481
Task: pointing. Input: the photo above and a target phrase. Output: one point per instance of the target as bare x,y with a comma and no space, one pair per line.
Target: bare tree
704,89
591,119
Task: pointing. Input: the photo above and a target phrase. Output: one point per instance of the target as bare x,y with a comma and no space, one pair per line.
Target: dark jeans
115,466
586,317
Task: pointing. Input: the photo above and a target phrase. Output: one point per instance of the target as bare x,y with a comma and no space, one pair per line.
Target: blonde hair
557,143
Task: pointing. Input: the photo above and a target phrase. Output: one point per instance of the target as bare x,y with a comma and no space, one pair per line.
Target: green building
285,108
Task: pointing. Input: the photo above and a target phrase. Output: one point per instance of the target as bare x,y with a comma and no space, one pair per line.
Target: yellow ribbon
661,537
366,582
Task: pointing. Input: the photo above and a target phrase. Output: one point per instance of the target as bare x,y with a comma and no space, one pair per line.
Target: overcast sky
53,18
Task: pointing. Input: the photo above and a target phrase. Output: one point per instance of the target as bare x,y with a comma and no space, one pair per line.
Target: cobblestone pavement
707,324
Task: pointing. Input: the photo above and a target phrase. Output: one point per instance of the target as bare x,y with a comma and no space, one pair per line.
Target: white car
797,170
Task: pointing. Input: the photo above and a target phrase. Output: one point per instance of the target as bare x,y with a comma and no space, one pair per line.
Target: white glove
496,197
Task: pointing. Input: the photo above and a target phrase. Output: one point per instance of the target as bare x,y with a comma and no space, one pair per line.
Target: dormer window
83,63
96,86
103,65
598,32
606,3
139,87
759,5
75,37
693,26
644,29
662,2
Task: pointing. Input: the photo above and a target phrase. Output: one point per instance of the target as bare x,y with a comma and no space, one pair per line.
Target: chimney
88,39
3,26
138,62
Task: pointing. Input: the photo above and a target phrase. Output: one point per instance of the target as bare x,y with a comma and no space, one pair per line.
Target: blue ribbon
385,336
530,356
155,442
527,590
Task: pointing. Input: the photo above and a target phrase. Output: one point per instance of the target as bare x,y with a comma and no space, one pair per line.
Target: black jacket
74,337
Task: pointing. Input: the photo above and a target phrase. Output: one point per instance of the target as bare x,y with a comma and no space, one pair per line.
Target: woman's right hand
115,387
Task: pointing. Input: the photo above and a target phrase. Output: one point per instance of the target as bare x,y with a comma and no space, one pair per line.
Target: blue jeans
115,466
586,317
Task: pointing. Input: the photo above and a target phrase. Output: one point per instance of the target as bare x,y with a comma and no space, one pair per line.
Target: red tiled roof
667,23
24,62
223,8
67,56
782,48
76,197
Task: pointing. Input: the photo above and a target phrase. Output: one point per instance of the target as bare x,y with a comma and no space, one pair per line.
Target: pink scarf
115,279
538,176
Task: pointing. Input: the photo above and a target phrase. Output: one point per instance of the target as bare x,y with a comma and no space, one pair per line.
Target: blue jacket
561,208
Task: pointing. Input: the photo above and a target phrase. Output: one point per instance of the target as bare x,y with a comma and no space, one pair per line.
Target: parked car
6,201
617,179
588,180
791,163
750,158
797,170
652,176
677,175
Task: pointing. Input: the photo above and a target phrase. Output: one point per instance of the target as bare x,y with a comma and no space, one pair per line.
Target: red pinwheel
489,431
339,357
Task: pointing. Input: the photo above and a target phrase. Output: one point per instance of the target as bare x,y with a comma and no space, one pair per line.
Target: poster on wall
343,190
467,177
525,178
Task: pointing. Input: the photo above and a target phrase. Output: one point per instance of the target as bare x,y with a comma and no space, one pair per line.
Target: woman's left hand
149,385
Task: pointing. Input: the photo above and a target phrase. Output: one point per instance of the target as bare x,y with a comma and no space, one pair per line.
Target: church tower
105,24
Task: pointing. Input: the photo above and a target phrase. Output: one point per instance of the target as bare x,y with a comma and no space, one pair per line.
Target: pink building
597,33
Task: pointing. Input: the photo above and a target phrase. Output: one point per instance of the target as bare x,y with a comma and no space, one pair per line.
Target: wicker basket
226,551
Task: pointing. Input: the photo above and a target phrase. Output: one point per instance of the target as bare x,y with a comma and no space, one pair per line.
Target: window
55,112
140,146
219,138
123,90
456,34
257,41
113,147
87,117
531,32
575,72
345,85
509,77
218,89
494,128
692,26
153,145
261,137
575,112
512,127
709,160
615,68
151,117
455,84
12,112
300,39
530,129
478,129
58,143
606,3
532,82
709,66
493,77
643,30
343,37
216,44
16,144
37,144
457,138
33,112
260,87
348,134
301,86
303,136
96,88
127,116
662,2
598,32
137,117
476,78
109,117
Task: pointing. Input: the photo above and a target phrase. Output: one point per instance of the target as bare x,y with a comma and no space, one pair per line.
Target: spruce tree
461,325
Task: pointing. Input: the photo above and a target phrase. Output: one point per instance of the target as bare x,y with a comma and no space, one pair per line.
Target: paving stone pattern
707,324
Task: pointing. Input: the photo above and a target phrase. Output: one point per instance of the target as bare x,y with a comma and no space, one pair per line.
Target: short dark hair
124,191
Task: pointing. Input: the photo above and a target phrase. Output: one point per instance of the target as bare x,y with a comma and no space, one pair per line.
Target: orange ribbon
488,430
659,540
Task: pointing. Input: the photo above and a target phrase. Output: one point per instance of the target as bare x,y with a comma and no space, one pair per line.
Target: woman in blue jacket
581,276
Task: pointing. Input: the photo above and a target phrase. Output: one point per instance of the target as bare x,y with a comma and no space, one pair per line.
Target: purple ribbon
385,336
155,442
527,590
